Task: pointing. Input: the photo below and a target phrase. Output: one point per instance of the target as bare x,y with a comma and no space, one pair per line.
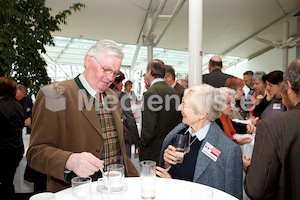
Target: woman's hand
243,140
170,156
253,120
269,96
251,129
162,173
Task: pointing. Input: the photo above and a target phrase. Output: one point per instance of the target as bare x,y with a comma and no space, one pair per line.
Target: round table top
165,189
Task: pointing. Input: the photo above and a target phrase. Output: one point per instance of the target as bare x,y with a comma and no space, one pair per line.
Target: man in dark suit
216,77
159,112
170,80
274,169
26,102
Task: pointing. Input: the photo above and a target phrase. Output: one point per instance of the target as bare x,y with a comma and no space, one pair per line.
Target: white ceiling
226,24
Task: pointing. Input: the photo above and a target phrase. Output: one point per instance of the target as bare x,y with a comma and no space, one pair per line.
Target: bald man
216,77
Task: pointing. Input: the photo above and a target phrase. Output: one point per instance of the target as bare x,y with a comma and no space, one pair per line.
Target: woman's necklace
188,148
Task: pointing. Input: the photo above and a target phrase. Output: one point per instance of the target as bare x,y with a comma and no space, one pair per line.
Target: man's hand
27,121
246,163
84,164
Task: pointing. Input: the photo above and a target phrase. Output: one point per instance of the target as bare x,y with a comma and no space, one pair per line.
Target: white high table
165,189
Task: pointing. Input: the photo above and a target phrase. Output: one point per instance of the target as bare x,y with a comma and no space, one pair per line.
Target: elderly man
77,128
160,115
216,77
183,83
274,169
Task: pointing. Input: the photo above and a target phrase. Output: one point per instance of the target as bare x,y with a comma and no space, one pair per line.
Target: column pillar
195,41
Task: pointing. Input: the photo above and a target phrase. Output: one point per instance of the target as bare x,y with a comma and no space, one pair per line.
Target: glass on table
81,188
147,176
115,177
180,143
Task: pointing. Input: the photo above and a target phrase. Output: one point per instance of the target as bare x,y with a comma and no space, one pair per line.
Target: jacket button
97,150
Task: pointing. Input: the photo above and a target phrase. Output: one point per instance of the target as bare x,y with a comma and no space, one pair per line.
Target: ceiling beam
237,46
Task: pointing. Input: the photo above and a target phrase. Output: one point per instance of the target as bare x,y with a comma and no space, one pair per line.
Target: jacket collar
202,160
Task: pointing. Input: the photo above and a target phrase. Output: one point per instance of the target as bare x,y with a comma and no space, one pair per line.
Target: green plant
25,29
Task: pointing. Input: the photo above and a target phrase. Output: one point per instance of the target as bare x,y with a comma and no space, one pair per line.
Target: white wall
267,62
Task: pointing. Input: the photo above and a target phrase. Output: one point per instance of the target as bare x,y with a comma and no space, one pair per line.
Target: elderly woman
226,124
260,89
239,113
272,102
220,166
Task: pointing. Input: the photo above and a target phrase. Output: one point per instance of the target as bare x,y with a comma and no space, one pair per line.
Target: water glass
147,176
180,143
81,188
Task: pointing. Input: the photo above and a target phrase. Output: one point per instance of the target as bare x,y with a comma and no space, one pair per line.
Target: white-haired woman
223,170
226,124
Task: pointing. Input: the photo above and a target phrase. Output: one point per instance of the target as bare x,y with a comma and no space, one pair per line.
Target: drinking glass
180,143
81,188
147,176
115,177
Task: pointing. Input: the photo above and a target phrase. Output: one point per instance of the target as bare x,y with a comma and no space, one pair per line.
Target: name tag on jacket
212,152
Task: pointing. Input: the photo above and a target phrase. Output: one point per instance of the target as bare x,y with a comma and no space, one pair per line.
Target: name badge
212,152
276,106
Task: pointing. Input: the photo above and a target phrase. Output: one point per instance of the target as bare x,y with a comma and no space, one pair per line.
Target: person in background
285,98
183,83
26,102
275,163
247,80
239,114
223,170
129,92
131,135
272,102
226,124
159,116
260,89
12,147
170,80
147,85
77,128
216,77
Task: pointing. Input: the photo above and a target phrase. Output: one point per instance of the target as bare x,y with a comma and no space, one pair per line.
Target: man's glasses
108,71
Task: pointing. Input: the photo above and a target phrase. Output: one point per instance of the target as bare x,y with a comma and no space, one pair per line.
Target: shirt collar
201,134
173,85
156,80
87,86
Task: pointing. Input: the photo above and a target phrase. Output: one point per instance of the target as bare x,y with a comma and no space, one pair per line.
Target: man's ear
289,87
87,60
